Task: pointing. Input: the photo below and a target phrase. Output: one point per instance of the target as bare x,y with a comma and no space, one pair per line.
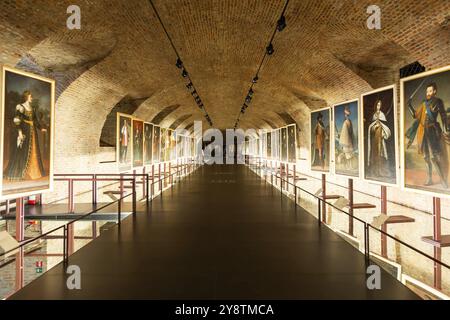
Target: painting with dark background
379,137
148,141
173,145
269,145
180,149
138,143
276,144
124,142
320,140
164,145
156,143
284,144
292,146
26,135
346,138
426,152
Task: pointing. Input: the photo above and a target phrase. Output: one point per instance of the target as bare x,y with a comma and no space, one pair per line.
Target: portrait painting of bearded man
27,133
379,135
425,131
320,140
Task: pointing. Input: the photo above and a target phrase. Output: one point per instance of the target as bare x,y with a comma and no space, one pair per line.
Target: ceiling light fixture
179,63
281,25
270,49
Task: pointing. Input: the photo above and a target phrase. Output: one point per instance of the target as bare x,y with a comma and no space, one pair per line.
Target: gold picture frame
412,86
333,133
17,187
394,136
312,157
124,150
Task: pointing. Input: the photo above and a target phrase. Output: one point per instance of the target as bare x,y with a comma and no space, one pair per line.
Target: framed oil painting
269,145
292,143
173,145
124,143
425,132
276,145
180,149
138,143
192,148
284,144
346,138
167,149
156,144
320,140
148,141
379,136
27,131
164,145
263,144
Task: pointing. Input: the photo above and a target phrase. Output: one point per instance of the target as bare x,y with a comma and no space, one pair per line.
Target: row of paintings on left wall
141,143
27,129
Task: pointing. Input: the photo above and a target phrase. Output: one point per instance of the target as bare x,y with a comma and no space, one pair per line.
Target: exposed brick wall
325,55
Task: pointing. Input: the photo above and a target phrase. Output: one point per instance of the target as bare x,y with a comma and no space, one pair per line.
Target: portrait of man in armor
426,131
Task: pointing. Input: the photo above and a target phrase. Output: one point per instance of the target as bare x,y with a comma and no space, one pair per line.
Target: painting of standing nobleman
27,133
138,143
346,140
320,140
425,132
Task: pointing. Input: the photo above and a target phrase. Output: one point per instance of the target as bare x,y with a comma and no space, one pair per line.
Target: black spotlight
194,93
255,79
179,63
242,110
269,49
248,99
245,106
184,74
200,105
281,24
189,85
250,92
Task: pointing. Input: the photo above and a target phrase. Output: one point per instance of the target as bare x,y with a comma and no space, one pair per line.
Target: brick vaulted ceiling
325,55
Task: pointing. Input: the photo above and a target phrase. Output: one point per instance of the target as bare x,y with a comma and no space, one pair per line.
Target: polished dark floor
222,233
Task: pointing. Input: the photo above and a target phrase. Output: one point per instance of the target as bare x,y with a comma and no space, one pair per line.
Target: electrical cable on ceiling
184,73
281,25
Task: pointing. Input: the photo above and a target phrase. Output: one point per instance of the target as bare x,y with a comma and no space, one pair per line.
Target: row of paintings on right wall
359,138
